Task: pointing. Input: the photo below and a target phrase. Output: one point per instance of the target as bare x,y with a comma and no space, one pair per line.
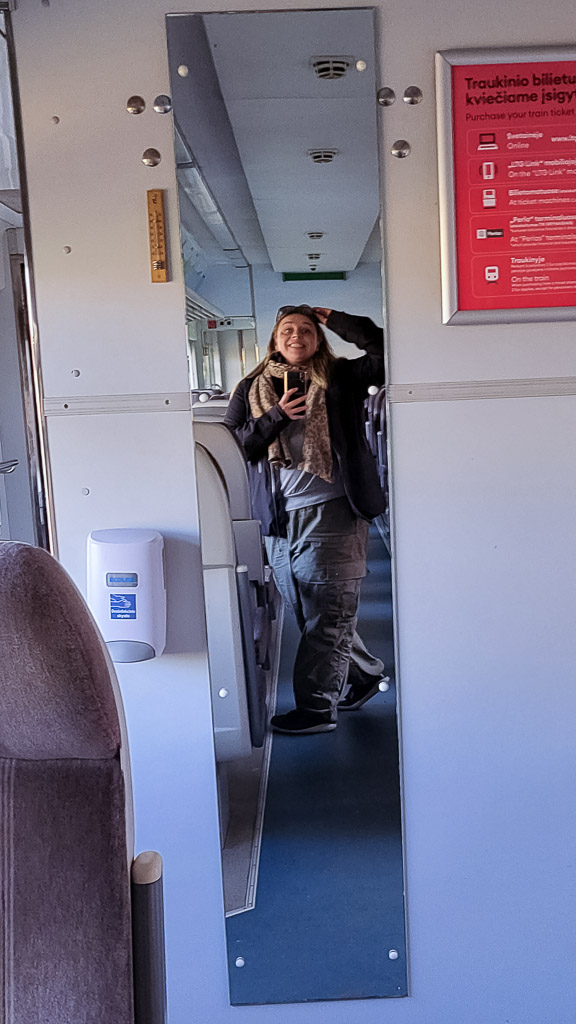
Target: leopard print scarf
317,449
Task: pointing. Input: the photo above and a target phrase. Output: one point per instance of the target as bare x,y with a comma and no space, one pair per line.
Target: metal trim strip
101,405
457,391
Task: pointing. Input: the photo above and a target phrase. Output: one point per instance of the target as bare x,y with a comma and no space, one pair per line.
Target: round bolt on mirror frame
135,105
412,95
401,149
151,157
386,96
163,104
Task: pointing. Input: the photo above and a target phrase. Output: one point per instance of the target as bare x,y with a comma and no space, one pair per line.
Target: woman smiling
315,488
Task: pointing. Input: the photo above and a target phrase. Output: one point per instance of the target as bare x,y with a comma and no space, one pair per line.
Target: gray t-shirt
301,489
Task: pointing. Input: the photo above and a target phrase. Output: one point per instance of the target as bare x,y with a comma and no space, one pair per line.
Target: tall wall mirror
275,124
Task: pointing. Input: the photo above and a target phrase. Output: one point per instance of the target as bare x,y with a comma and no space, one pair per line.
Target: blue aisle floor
329,905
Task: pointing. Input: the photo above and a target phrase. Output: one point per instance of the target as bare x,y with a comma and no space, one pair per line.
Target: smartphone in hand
296,379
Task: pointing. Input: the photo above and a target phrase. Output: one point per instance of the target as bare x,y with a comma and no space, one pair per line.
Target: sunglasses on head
303,310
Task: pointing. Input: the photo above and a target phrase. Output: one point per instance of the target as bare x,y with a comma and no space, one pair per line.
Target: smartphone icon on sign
488,170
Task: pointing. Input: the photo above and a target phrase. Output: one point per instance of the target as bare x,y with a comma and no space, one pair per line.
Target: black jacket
345,396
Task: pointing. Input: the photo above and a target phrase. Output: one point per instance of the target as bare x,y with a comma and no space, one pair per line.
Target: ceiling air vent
322,156
315,235
314,256
331,67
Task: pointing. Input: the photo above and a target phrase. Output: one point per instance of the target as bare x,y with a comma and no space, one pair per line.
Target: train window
277,163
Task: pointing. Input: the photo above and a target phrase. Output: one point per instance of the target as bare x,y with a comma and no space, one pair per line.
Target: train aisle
329,904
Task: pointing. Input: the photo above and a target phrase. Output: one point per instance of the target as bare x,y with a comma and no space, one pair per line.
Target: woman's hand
294,408
322,313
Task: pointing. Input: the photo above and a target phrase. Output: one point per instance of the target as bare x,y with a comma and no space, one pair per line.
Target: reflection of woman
315,488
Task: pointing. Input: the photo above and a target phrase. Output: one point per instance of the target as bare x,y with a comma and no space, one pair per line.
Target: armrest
148,940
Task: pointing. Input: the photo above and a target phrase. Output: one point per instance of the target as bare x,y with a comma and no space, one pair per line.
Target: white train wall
484,494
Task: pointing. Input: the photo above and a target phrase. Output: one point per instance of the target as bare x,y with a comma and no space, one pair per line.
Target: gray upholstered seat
66,834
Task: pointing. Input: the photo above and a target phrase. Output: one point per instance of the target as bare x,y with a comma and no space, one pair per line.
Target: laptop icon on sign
487,140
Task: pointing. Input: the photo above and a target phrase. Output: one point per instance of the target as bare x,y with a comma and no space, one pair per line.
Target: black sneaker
301,722
358,695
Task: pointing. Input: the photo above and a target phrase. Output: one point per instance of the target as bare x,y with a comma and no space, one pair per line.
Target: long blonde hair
319,366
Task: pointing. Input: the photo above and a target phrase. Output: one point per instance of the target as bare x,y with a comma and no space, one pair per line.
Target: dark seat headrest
56,696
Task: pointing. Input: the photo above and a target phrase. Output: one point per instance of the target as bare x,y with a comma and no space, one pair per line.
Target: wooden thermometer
157,236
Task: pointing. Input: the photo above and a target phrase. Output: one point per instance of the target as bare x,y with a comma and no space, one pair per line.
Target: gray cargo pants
318,569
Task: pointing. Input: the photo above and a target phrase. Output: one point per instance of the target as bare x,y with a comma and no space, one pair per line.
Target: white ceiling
277,110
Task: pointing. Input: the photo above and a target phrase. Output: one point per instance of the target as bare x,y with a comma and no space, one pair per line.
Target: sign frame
445,61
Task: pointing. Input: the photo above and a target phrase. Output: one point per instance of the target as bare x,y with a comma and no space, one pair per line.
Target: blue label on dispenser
121,579
122,606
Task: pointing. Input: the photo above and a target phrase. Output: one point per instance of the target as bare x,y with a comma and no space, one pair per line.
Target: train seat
77,943
217,439
236,682
213,408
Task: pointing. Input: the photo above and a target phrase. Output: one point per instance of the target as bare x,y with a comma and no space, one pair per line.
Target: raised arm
365,334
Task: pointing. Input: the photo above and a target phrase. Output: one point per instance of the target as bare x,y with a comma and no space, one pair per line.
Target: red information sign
514,164
507,179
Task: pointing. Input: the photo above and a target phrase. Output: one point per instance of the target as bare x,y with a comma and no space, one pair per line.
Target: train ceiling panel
304,123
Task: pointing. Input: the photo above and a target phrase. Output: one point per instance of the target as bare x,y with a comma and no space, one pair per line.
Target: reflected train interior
279,204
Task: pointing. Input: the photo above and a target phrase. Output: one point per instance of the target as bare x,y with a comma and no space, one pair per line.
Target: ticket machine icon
488,198
491,273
